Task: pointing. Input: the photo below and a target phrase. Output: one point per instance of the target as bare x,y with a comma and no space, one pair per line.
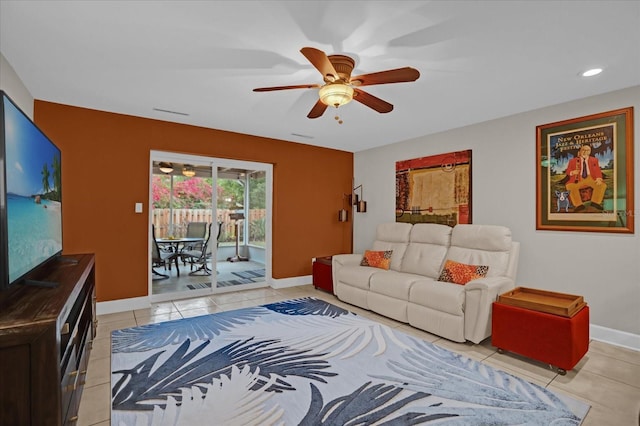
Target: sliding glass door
216,208
243,206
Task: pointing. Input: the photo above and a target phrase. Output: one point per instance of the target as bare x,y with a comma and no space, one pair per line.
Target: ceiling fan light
336,94
188,170
165,167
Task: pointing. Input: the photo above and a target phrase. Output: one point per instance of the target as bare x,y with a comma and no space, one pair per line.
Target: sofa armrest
340,260
493,285
479,297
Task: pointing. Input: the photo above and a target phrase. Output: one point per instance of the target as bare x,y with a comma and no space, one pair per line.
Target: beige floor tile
98,371
259,293
117,316
200,302
323,295
599,415
604,365
615,352
291,292
298,291
154,319
101,348
600,390
95,405
156,309
225,298
188,313
242,304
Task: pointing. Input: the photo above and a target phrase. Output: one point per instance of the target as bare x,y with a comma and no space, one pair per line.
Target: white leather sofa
409,291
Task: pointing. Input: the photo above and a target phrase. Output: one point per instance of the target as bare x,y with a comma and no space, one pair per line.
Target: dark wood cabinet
45,339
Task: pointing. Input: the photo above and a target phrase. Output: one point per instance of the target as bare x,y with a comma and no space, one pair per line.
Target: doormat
244,277
198,286
258,273
235,282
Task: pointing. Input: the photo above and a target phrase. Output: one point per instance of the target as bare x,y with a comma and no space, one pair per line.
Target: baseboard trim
121,305
291,282
615,337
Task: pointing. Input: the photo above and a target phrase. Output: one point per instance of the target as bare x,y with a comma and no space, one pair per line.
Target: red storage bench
559,340
322,274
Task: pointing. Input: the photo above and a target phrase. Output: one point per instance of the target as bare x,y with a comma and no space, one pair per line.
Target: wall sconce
343,215
361,205
352,199
165,167
188,170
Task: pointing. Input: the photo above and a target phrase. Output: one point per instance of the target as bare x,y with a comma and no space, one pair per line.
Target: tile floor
607,378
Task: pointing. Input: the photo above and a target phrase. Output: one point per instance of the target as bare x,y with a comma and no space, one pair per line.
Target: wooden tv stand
45,340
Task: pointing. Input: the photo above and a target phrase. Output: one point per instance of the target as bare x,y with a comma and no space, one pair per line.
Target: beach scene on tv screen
34,217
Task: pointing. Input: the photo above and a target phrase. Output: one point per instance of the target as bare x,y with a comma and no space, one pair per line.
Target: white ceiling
478,60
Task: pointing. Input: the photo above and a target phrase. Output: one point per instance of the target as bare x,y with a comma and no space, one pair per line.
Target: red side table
322,274
557,340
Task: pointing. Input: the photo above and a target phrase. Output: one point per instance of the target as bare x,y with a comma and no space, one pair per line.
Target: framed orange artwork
434,189
584,169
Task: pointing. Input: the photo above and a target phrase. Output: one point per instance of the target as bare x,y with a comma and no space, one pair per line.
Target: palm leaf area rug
307,362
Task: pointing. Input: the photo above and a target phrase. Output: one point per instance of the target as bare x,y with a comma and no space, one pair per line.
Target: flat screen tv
30,196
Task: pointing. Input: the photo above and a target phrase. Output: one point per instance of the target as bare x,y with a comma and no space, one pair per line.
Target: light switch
138,207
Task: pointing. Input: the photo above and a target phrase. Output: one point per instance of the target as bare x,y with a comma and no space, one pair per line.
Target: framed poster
434,189
584,169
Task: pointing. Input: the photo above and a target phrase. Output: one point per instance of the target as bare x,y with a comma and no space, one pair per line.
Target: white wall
15,88
603,267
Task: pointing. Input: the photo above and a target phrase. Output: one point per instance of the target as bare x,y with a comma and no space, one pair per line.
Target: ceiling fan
340,87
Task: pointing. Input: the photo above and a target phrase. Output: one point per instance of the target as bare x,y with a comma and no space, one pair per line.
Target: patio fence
181,217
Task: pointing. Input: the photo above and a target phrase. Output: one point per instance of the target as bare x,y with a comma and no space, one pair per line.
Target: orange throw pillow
377,259
459,273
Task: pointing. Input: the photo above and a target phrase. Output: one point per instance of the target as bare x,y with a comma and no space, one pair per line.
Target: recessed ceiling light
592,72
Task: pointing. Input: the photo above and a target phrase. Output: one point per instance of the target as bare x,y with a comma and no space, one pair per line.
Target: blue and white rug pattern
307,362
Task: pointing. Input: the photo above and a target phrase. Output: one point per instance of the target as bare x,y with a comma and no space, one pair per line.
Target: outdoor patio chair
195,230
162,258
200,257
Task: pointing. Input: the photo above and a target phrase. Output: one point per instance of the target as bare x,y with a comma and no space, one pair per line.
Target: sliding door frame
214,163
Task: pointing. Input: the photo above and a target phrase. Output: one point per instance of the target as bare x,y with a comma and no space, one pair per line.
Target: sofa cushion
461,273
394,232
438,295
428,244
393,284
393,236
356,276
377,259
481,245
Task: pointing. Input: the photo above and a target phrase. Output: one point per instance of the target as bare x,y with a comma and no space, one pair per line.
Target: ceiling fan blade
399,75
300,86
372,101
318,109
320,60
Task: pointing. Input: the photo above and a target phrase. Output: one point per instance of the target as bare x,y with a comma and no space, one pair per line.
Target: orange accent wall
105,171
